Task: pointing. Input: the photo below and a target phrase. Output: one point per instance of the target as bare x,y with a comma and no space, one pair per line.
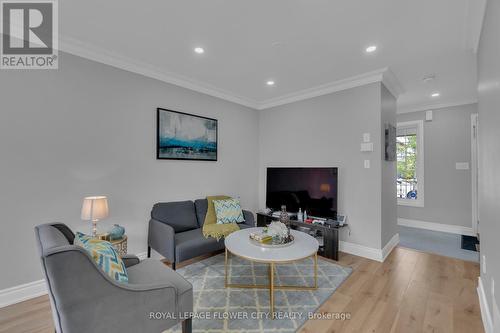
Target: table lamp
94,209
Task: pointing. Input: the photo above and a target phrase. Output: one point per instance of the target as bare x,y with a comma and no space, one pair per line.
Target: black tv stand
330,233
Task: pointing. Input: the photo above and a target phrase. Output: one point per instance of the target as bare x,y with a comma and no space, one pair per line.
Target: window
410,163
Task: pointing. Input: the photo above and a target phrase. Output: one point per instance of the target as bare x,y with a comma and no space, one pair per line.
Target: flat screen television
311,189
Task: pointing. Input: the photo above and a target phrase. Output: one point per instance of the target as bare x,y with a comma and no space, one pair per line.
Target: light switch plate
428,115
367,164
462,165
367,146
366,137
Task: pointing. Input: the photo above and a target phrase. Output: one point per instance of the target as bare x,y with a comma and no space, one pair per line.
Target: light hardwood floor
410,292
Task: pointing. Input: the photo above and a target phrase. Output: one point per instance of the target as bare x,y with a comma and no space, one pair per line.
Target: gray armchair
85,299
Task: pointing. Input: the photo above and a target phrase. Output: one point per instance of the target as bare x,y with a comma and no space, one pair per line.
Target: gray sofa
85,299
175,230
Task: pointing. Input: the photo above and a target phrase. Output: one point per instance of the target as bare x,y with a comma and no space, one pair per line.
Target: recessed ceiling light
436,94
199,50
270,83
371,48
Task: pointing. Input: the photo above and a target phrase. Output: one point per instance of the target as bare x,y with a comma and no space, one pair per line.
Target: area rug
220,309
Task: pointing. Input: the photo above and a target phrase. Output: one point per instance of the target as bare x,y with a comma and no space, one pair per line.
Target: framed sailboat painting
183,136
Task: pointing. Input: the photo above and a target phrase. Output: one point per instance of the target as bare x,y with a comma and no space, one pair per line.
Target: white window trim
420,163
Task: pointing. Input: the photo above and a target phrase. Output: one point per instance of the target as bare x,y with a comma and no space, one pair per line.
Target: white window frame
419,202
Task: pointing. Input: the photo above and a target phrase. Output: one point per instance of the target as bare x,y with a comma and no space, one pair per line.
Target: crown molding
384,75
475,13
392,83
75,47
91,52
436,106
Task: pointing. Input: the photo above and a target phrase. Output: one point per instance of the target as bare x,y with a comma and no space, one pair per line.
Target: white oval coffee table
304,246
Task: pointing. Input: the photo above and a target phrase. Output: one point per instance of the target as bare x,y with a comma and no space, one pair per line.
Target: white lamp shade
95,208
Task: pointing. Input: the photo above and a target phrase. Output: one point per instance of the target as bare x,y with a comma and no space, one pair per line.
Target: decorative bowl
116,232
273,243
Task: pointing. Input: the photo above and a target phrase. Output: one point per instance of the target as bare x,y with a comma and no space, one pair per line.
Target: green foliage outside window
407,156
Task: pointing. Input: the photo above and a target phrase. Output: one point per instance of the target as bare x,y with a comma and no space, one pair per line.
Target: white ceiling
300,44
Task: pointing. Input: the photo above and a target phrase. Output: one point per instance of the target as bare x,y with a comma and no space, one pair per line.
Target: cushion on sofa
192,243
179,215
228,211
201,206
201,211
244,225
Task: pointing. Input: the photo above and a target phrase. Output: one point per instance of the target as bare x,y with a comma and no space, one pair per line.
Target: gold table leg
271,288
225,269
315,270
271,285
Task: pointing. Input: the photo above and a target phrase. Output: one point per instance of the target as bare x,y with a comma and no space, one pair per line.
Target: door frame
474,171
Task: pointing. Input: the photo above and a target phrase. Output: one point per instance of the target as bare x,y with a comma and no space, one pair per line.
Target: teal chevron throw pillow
228,211
104,255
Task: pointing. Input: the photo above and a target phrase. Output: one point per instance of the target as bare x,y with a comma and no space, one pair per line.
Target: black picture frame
212,157
390,143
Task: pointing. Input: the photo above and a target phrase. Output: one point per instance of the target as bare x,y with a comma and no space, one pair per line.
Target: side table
120,245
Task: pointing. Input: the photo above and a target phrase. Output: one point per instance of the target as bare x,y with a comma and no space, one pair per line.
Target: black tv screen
311,189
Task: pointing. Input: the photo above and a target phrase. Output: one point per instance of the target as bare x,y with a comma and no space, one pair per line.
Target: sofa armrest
161,238
249,218
130,260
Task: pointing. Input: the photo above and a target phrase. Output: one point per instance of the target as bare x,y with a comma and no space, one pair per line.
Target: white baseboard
142,255
452,229
22,292
360,250
485,310
369,252
391,244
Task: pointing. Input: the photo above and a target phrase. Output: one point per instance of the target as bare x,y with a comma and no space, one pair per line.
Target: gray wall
489,151
388,171
90,129
327,131
447,140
